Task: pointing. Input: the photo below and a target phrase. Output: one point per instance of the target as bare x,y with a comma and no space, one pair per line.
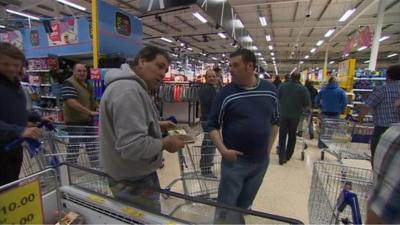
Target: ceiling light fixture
167,40
73,5
313,50
272,54
329,33
361,48
347,54
320,42
268,37
263,21
258,53
247,39
346,15
2,26
270,47
200,17
366,61
190,49
238,23
307,56
214,58
301,62
392,55
384,38
222,35
253,47
22,14
331,62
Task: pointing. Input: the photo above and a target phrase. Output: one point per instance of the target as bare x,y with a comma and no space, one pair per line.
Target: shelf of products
370,78
37,71
362,90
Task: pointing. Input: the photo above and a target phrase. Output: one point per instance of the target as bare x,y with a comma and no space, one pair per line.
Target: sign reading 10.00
22,205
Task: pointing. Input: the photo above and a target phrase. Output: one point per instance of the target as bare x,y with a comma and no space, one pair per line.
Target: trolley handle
32,143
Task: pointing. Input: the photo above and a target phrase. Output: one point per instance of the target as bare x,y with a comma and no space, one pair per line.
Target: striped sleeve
68,91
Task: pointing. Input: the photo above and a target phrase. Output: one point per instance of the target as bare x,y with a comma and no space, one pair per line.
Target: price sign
22,205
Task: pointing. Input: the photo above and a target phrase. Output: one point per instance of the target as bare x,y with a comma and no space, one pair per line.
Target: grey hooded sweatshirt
130,134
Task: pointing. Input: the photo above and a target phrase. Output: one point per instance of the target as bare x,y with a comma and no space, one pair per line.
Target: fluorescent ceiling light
22,14
366,61
384,38
167,40
270,47
301,62
263,21
247,39
182,44
347,54
361,48
272,54
258,53
319,43
2,26
391,55
214,58
253,47
307,56
261,58
329,33
73,5
331,62
273,58
313,50
190,49
346,15
238,23
223,55
222,35
200,17
268,37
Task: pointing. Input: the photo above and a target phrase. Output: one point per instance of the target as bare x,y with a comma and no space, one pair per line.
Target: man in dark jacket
293,100
332,100
207,94
13,115
313,93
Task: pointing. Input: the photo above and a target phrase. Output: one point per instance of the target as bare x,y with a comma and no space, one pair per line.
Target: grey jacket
130,134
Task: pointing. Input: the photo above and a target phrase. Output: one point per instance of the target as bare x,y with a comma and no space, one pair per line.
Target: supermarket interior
200,111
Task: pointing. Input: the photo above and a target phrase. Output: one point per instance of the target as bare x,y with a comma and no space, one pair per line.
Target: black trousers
11,162
376,135
287,128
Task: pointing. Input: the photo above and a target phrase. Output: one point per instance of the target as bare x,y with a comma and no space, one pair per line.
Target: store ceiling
295,26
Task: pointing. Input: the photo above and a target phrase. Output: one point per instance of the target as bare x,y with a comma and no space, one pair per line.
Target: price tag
96,199
22,205
133,212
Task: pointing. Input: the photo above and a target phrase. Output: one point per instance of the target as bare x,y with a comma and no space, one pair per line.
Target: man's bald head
211,77
80,72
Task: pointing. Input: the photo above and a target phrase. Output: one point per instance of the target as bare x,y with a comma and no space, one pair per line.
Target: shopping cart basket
331,187
199,171
345,139
303,134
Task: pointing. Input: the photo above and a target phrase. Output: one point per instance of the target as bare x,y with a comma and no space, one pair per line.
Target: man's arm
10,131
228,154
69,94
73,103
272,137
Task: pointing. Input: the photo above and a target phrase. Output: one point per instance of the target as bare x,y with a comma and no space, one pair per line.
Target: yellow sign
346,73
133,212
22,205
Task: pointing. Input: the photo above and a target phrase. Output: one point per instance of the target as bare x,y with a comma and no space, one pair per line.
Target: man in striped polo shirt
247,113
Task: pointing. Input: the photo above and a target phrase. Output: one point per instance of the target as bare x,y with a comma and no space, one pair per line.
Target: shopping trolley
335,186
199,171
345,139
303,134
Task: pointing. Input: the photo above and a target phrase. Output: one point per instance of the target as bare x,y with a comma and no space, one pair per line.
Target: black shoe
281,162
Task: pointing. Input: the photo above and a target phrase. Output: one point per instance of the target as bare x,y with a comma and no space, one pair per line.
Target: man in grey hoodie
131,142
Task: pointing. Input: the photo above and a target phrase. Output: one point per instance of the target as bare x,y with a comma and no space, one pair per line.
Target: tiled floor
285,189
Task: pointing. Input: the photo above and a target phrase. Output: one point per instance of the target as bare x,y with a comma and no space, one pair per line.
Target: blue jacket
331,99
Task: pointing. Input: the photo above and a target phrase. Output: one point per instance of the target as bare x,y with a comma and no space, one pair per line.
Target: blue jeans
138,192
207,152
239,184
320,143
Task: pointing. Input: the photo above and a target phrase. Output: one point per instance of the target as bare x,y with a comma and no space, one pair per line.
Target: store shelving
370,78
363,90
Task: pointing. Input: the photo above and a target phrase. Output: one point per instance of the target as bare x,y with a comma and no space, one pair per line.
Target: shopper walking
382,103
14,116
332,100
293,100
207,94
80,112
313,93
246,111
383,203
131,142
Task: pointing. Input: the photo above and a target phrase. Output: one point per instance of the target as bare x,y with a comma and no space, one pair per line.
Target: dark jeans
138,193
73,147
11,162
207,153
376,135
287,127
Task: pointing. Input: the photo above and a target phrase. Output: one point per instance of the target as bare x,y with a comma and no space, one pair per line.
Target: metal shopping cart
303,134
199,171
345,139
335,186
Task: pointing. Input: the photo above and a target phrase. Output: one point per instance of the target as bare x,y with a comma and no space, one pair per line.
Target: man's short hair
149,53
331,79
11,51
247,56
295,76
217,69
393,72
208,71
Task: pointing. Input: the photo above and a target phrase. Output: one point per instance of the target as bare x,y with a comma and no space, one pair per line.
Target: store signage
64,32
22,205
151,5
362,38
13,37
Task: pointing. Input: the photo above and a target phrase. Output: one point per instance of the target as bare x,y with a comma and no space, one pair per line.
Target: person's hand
47,119
173,143
93,113
167,125
32,132
230,154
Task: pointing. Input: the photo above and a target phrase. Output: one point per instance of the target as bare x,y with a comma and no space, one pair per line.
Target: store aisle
285,188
